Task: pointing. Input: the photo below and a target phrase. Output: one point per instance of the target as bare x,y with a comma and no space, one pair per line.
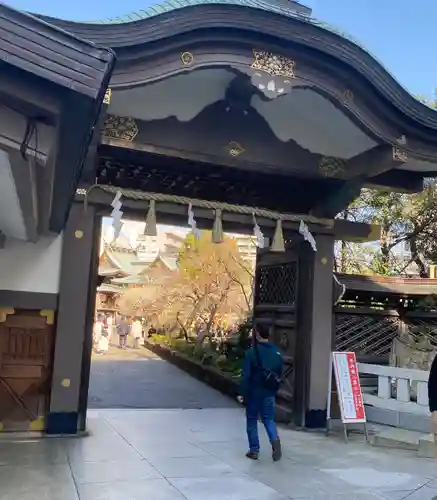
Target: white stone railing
406,381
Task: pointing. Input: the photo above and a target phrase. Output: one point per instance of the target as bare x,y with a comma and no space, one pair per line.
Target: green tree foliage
409,219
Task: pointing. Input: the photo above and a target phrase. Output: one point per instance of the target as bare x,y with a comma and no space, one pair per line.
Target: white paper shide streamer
116,215
192,222
259,237
305,232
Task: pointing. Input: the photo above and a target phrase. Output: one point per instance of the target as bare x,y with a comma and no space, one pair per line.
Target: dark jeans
122,340
265,408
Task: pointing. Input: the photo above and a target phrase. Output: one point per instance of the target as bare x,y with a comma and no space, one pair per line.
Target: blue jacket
271,359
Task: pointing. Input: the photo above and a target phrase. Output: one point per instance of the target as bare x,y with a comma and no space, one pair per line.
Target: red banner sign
348,387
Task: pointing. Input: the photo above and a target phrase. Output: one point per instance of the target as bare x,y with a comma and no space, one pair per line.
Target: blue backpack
271,381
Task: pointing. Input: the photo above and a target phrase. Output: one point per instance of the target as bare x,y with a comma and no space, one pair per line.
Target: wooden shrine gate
275,301
26,356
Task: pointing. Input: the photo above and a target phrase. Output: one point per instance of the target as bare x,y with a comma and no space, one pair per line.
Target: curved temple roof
172,22
106,31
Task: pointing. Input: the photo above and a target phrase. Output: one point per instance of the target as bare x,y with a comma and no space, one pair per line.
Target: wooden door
26,355
276,291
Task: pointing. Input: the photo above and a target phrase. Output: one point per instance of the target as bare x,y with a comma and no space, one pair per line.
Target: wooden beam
240,164
90,165
26,173
173,214
340,198
372,162
71,149
358,171
404,181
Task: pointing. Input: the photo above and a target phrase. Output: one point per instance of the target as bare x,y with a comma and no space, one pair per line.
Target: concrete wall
31,267
402,420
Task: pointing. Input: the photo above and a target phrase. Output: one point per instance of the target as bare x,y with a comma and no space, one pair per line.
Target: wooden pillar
315,311
75,318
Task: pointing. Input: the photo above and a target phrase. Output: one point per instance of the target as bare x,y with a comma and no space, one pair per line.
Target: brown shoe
276,450
253,455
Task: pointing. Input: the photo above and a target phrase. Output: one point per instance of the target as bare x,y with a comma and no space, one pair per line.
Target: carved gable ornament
330,166
273,74
120,127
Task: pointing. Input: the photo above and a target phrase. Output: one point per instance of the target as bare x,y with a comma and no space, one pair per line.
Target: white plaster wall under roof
13,130
11,216
303,115
31,267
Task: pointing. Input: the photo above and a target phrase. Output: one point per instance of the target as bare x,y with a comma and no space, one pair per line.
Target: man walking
123,331
262,374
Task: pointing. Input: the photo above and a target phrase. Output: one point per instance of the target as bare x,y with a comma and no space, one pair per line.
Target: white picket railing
406,381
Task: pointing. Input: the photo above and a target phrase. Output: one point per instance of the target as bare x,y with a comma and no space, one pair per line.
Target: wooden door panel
26,354
276,282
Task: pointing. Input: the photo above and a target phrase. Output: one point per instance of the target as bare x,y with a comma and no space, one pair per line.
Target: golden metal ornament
119,127
37,425
330,166
49,316
273,65
400,155
5,312
187,58
235,149
107,98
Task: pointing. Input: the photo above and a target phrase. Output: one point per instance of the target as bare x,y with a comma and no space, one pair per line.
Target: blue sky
402,34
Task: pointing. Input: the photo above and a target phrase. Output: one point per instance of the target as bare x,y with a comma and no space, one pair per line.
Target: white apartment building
246,248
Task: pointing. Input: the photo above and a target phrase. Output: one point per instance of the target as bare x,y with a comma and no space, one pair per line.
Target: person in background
136,331
98,332
152,331
432,398
123,328
103,344
262,376
110,327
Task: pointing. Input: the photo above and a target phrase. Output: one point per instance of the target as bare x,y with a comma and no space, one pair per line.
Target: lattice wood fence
370,332
277,284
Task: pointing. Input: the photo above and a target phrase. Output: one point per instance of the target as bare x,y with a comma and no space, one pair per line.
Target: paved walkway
139,379
199,455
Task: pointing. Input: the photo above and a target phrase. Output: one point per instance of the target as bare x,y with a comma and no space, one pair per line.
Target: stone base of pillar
62,423
316,419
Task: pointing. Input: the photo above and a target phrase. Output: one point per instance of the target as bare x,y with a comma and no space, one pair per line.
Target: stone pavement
199,455
140,379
